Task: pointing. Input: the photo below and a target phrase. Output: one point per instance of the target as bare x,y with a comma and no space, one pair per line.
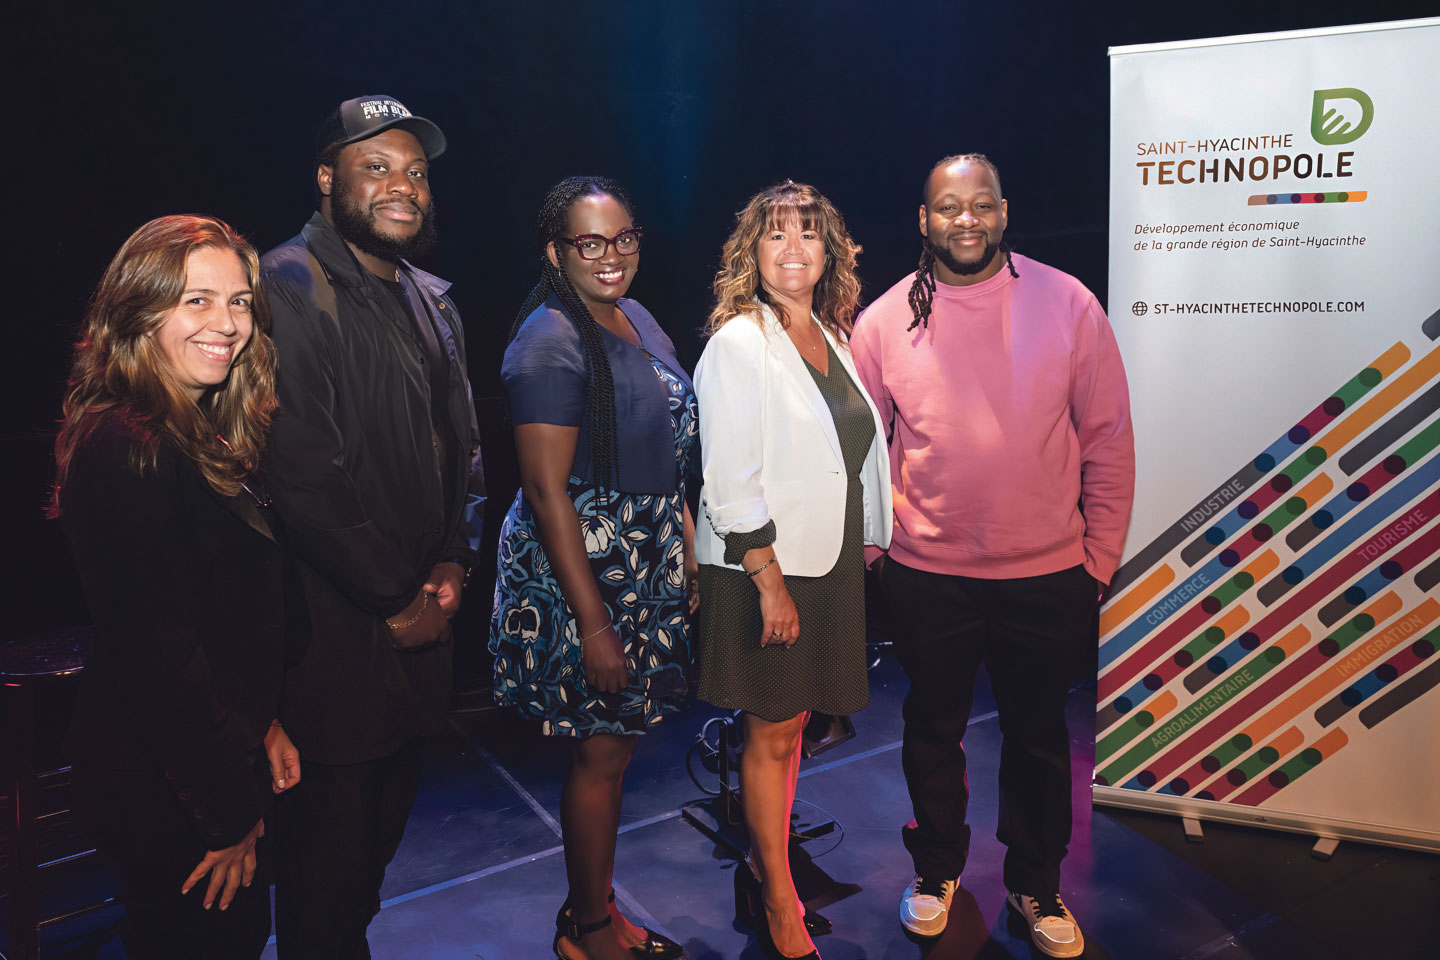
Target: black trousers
1030,633
150,845
338,830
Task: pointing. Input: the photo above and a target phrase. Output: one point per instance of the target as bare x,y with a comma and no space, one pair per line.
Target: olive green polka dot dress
825,670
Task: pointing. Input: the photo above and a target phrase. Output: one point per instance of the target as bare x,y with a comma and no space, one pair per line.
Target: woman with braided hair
594,591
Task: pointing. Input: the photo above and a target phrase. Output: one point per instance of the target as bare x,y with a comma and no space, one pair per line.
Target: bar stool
26,665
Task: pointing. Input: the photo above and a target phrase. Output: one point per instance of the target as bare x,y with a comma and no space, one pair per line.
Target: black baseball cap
363,117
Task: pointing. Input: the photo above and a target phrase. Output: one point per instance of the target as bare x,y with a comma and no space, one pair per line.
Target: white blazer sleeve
730,388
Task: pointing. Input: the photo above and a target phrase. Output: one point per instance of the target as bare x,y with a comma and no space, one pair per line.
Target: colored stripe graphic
1360,591
1285,680
1348,196
1173,602
1282,482
1376,478
1253,765
1408,382
1296,470
1287,613
1429,578
1393,569
1295,704
1295,768
1431,326
1203,643
1389,433
1369,520
1218,758
1120,609
1223,692
1216,664
1377,679
1408,692
1188,622
1247,476
1138,722
1359,659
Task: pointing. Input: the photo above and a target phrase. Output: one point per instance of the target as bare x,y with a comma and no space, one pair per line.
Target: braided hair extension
922,290
553,222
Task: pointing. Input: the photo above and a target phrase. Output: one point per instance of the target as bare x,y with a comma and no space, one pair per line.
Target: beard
943,254
356,225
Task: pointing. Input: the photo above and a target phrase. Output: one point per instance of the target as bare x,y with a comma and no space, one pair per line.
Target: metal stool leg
25,873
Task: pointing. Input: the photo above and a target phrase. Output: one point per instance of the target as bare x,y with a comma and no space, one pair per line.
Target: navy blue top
544,377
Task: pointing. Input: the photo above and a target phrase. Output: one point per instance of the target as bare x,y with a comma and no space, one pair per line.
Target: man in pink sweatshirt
1013,469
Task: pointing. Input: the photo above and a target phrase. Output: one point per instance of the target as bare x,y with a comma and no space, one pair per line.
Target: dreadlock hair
922,290
554,222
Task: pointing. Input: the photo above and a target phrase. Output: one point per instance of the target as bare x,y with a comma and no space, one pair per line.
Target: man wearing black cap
374,464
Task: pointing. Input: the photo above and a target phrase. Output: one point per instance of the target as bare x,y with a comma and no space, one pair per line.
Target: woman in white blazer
797,481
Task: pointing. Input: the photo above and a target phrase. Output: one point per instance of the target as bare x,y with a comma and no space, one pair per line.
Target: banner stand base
1325,828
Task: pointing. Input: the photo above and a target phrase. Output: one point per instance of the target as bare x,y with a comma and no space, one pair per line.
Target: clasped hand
426,622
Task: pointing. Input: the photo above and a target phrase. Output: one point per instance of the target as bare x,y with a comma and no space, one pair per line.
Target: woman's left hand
692,568
284,759
692,584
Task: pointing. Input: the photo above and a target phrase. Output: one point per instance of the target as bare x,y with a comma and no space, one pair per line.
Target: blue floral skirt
636,549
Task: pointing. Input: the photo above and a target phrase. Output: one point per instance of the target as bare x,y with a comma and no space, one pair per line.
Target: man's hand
424,623
284,759
229,869
445,583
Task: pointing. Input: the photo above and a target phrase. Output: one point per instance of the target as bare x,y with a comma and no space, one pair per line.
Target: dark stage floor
480,874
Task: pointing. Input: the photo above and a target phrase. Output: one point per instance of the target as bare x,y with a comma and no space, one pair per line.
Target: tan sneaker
925,906
1052,929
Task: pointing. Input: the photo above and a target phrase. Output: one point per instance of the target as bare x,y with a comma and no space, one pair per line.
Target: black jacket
187,592
351,463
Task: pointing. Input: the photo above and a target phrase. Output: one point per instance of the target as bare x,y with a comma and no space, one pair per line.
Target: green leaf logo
1328,125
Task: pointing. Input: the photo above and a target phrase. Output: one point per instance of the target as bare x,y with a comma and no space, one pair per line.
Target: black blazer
352,464
187,592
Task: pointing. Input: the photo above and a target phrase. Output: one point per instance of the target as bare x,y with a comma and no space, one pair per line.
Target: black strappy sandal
655,946
567,929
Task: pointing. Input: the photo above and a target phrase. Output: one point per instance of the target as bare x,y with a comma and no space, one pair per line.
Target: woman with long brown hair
174,746
797,481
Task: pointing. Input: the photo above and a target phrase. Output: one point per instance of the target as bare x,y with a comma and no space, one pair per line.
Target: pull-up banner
1268,651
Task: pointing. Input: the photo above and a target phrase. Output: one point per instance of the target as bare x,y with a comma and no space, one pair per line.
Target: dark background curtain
117,113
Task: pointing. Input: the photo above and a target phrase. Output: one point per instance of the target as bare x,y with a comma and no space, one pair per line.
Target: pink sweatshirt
1011,452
